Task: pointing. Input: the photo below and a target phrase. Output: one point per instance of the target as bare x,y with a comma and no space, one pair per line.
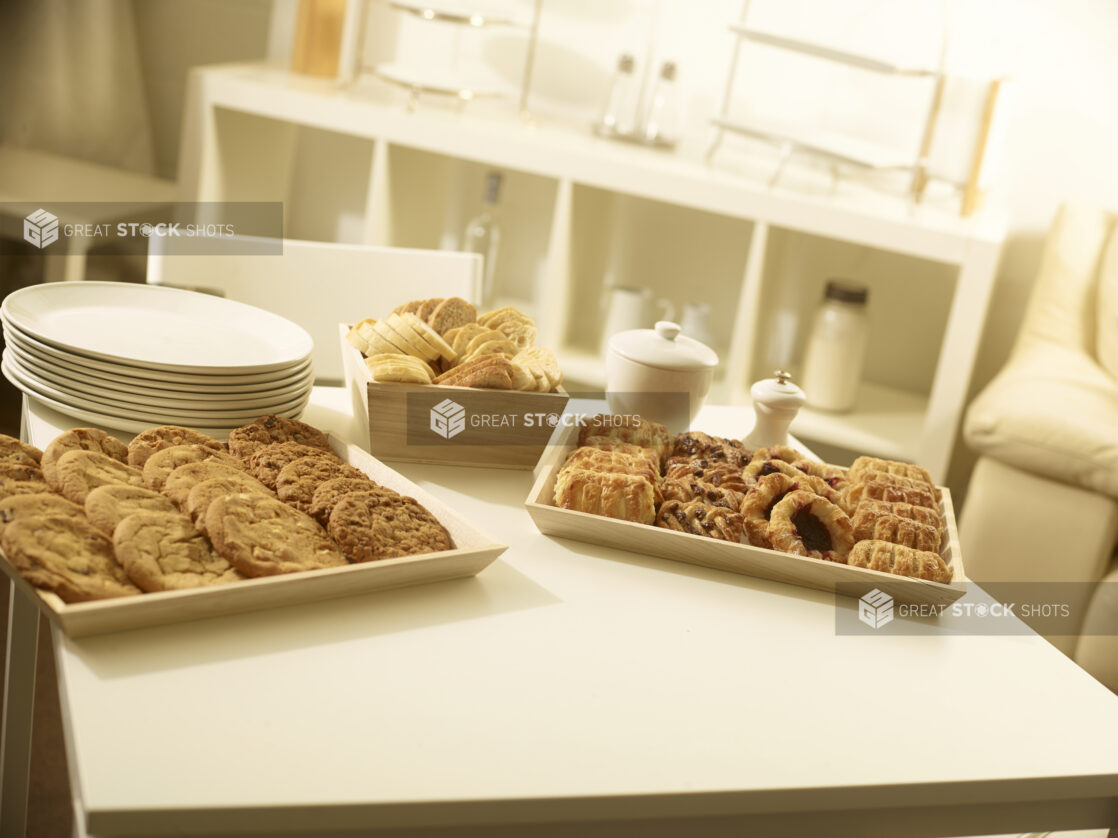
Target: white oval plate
69,390
53,355
131,391
136,421
157,327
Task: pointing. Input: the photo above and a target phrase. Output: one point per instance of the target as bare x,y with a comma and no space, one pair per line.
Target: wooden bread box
461,426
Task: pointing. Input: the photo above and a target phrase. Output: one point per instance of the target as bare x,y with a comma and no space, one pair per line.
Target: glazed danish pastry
689,489
922,514
616,462
608,443
885,526
912,472
631,429
805,524
869,488
623,496
700,519
759,503
695,444
899,560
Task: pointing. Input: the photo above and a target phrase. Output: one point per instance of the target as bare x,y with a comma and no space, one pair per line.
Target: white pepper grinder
776,401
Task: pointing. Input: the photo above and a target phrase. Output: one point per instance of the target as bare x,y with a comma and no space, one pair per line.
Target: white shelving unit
580,212
835,147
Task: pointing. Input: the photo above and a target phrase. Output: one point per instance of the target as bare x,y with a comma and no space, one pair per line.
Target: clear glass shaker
618,115
836,350
660,120
483,235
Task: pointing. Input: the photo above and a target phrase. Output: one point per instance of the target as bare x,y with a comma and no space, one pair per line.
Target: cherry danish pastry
806,524
759,503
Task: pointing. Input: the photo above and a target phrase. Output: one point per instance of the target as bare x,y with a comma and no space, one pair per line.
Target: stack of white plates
132,356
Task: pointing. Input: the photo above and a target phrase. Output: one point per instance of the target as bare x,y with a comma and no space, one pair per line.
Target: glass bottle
660,120
618,114
483,234
836,350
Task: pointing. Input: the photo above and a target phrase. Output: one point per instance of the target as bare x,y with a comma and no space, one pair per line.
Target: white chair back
315,284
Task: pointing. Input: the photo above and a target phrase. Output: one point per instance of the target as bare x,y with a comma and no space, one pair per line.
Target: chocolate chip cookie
298,480
66,555
265,463
80,439
247,439
14,451
80,472
202,494
163,551
145,444
107,506
328,493
161,463
21,479
38,504
262,536
369,526
185,477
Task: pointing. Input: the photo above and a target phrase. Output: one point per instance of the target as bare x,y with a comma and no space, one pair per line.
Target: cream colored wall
173,37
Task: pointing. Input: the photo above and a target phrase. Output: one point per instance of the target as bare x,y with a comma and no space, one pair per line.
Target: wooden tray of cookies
736,558
473,551
397,416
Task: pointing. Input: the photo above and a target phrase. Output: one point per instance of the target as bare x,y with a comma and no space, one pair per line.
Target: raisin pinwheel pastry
699,518
805,524
723,475
697,445
687,489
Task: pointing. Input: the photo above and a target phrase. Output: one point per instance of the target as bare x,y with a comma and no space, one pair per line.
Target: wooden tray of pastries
774,513
436,382
177,526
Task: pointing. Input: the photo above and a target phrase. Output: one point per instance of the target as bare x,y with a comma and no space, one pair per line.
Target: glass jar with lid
836,349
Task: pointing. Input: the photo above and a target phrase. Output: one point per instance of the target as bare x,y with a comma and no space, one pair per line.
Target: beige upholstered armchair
1043,502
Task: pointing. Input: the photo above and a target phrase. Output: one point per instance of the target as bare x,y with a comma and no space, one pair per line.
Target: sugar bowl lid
663,346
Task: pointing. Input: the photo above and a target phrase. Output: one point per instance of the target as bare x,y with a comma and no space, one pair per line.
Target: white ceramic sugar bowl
658,374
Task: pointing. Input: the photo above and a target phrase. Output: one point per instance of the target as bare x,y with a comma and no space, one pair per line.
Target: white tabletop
569,682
